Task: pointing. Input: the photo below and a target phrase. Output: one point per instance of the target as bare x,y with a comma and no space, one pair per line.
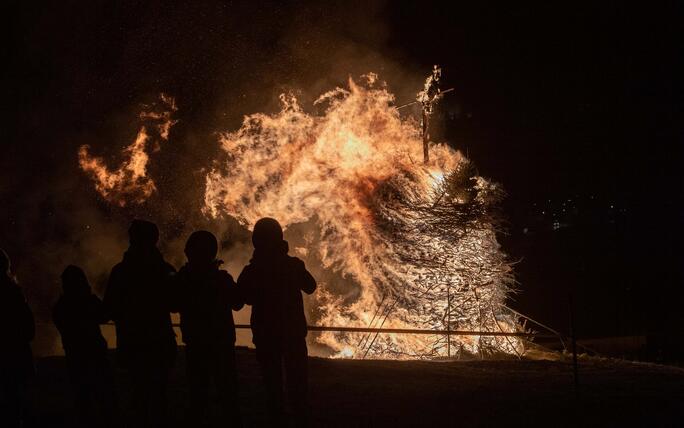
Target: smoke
91,81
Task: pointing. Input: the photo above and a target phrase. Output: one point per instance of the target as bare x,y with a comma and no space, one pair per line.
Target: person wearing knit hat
272,283
137,300
205,297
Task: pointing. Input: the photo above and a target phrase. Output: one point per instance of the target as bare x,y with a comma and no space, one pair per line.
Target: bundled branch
448,237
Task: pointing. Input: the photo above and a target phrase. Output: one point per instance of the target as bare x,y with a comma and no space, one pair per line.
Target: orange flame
129,183
353,179
335,170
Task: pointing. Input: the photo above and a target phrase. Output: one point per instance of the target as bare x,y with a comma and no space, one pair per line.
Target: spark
415,242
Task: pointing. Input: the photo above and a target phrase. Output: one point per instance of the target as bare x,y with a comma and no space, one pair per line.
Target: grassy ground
349,393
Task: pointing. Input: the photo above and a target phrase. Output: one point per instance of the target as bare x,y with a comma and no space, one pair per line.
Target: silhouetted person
17,330
272,283
205,296
137,299
78,315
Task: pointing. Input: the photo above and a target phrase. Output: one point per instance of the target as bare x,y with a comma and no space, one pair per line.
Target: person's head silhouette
201,247
74,281
4,263
143,233
267,234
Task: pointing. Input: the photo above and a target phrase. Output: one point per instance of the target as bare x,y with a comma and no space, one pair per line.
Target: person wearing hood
77,316
205,297
137,299
272,283
17,329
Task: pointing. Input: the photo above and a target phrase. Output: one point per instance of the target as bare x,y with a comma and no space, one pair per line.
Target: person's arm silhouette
175,289
235,299
112,297
246,289
98,309
306,281
168,292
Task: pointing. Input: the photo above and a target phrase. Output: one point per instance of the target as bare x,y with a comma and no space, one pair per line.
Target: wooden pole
418,331
426,137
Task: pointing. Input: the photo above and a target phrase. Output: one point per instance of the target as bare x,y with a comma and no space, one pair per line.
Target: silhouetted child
17,330
138,301
272,283
77,315
205,296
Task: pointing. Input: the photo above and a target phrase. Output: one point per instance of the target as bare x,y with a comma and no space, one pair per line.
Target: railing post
448,320
573,339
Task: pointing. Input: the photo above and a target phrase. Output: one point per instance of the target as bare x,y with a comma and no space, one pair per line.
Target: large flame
129,182
407,244
396,242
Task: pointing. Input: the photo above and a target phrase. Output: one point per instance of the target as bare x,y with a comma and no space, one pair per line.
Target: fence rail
406,331
414,331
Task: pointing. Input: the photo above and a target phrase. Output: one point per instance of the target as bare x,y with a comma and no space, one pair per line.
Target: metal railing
413,331
525,335
442,332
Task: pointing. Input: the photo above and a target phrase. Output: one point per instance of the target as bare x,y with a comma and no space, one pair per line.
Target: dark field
465,393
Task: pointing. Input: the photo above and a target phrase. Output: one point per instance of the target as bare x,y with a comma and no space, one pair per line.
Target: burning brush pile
402,243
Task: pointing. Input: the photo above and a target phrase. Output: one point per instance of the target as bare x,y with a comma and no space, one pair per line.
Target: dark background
573,108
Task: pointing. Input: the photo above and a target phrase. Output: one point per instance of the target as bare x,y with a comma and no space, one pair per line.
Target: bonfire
404,240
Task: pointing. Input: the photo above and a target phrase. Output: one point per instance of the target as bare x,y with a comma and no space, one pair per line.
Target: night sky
566,104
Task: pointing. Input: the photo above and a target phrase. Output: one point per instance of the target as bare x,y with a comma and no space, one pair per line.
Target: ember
412,237
415,242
